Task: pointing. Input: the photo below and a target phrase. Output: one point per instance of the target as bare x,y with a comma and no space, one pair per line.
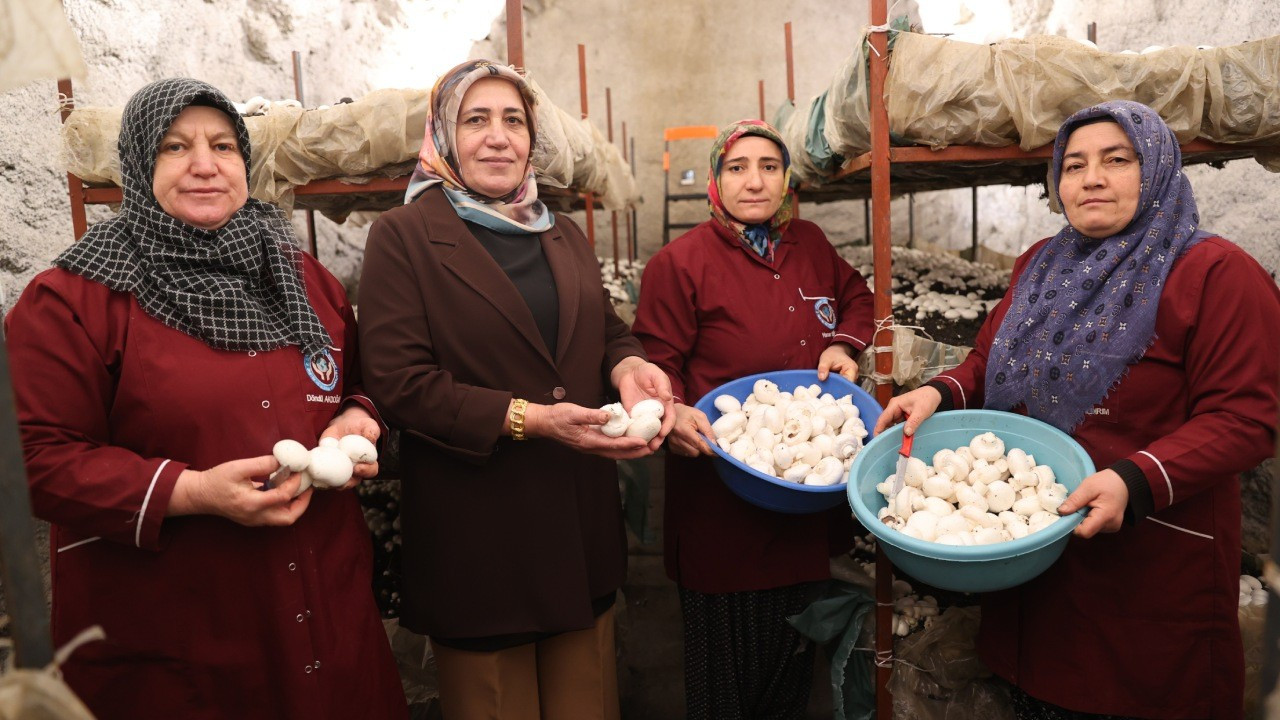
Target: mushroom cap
330,467
291,453
648,406
358,448
329,442
646,427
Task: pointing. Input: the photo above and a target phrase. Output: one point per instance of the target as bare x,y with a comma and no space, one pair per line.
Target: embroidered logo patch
322,370
826,314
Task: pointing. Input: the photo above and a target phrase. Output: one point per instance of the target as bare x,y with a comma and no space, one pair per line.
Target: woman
488,338
751,290
1152,342
154,368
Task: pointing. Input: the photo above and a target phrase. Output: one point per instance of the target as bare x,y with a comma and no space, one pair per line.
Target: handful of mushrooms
973,495
804,436
644,421
1252,591
328,466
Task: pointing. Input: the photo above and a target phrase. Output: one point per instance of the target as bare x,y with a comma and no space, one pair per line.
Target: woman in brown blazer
487,337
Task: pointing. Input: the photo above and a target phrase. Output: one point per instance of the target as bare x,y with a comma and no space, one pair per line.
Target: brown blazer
499,536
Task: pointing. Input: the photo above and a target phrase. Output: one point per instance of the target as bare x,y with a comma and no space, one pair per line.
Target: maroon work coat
500,537
204,618
1143,622
712,311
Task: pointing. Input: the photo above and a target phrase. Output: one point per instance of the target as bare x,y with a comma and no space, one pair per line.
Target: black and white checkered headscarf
237,287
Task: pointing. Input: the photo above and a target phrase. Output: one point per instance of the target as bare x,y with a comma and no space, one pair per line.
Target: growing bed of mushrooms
946,295
977,494
804,436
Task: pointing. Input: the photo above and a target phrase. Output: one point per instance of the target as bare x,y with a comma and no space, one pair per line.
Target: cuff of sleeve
858,343
948,400
478,426
364,402
1141,502
155,505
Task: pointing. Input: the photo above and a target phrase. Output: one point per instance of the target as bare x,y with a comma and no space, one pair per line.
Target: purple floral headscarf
1085,309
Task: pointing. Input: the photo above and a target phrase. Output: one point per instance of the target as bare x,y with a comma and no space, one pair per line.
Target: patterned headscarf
237,287
520,211
1085,309
762,238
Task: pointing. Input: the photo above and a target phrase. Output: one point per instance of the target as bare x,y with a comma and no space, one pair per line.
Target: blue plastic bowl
773,493
973,568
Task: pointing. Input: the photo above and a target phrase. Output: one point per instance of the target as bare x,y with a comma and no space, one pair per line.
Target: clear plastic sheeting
36,42
376,136
937,674
943,92
28,694
1043,80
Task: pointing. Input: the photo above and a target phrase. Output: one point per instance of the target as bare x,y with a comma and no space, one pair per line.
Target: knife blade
904,455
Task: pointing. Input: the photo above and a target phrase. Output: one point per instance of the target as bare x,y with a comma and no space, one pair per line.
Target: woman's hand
686,435
355,420
571,425
232,490
919,404
638,380
839,360
1106,496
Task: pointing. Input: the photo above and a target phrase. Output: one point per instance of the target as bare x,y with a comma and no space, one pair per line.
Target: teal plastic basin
973,568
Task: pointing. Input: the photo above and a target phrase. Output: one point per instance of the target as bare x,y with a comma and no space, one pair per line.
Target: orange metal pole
515,33
791,69
882,258
298,95
627,221
75,188
613,215
589,198
762,116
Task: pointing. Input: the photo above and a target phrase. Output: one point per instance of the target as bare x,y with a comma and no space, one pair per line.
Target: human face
1101,180
200,177
493,137
751,179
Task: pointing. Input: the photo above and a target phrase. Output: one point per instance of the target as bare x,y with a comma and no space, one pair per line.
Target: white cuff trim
964,402
1160,465
77,544
1180,529
142,514
861,344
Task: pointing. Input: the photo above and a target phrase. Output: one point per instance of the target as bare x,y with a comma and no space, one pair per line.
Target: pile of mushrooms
940,284
644,421
804,436
973,495
1251,591
327,466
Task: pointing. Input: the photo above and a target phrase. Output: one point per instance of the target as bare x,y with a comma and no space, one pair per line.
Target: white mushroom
1000,496
916,472
1019,461
846,446
729,426
646,407
924,524
329,466
291,453
987,446
938,486
329,442
616,425
766,391
358,448
796,473
645,427
727,404
938,507
826,472
1051,496
796,429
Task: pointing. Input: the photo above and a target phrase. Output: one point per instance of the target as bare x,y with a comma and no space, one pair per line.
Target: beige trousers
572,676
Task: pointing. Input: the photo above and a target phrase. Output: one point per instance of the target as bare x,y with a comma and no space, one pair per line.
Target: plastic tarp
30,694
937,674
376,136
837,621
943,92
36,42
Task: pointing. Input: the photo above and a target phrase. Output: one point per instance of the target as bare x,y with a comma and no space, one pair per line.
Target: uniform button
293,566
558,393
801,342
791,309
308,669
254,353
299,617
266,404
317,664
777,276
308,613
